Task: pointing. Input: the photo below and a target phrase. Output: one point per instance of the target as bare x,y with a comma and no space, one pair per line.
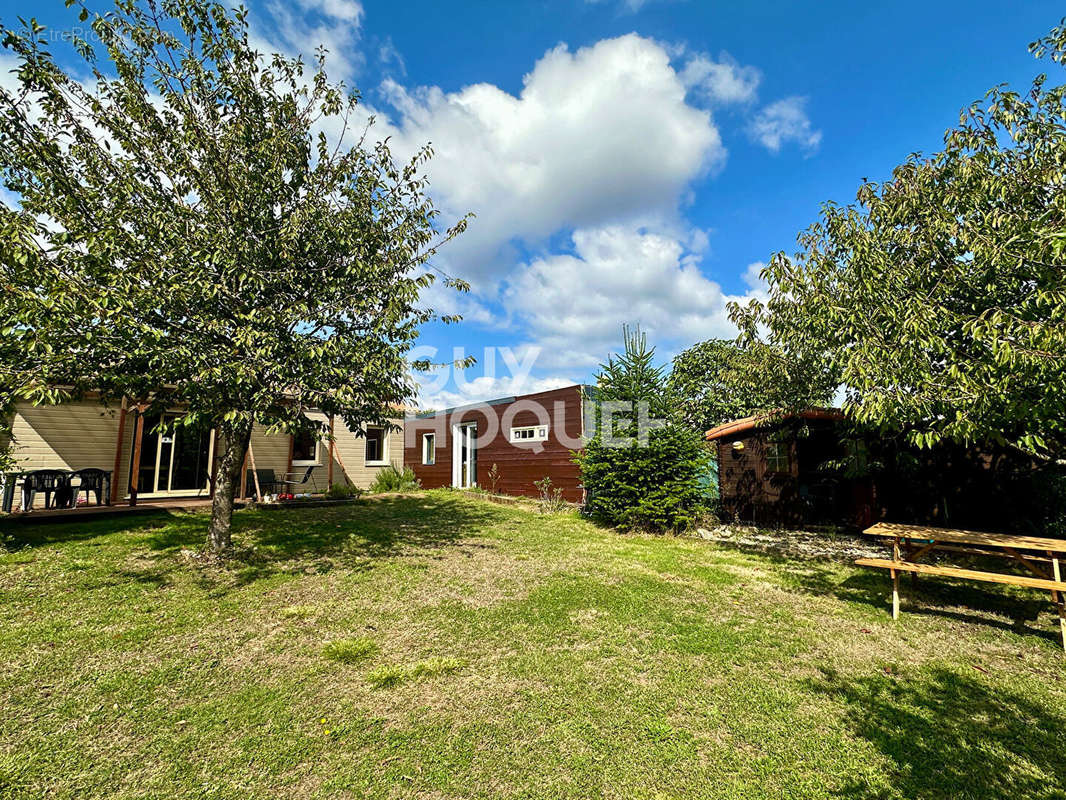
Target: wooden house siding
349,459
519,465
82,434
71,436
747,487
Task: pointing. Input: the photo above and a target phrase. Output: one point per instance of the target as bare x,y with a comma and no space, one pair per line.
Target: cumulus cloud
597,135
298,28
753,276
574,305
785,121
721,81
485,388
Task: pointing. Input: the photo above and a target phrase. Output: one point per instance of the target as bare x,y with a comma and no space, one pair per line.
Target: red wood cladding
747,487
520,465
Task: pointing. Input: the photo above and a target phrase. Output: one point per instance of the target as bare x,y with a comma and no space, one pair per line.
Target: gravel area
828,545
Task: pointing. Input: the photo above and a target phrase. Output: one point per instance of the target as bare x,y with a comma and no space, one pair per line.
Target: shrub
341,491
1048,509
651,477
551,499
391,479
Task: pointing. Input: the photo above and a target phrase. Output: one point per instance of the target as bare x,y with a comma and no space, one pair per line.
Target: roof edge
745,424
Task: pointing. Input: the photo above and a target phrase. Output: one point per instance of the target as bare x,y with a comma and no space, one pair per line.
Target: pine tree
642,469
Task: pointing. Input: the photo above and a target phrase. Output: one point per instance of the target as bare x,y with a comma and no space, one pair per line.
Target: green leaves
939,298
184,236
719,380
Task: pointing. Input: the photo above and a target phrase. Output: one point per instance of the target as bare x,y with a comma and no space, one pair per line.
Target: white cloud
785,121
486,388
752,276
598,135
574,305
345,10
446,300
300,27
632,6
389,56
722,81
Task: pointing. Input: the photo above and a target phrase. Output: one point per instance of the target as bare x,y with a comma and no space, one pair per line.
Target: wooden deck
186,504
61,515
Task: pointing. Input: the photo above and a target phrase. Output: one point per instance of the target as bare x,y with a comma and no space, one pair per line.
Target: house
520,440
146,464
772,470
814,466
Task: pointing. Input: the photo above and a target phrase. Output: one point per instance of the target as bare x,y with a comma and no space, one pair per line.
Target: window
777,457
304,449
429,444
375,446
533,433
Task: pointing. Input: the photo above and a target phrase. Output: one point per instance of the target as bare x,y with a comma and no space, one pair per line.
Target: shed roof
745,424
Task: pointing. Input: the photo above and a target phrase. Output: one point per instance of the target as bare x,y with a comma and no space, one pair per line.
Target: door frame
459,431
156,458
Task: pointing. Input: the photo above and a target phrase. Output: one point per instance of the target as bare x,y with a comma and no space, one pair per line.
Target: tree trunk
235,436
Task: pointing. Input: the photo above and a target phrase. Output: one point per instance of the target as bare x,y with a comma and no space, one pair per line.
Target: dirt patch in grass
797,544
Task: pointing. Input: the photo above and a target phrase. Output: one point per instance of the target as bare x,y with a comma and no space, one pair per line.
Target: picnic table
910,543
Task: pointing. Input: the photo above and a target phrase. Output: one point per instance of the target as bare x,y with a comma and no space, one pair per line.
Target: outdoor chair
97,481
268,482
308,475
54,483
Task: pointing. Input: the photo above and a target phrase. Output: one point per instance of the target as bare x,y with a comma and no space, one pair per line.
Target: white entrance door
464,455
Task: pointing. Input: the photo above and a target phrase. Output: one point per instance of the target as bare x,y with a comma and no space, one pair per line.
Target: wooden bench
911,542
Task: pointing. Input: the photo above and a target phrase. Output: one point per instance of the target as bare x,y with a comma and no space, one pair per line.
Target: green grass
440,646
349,651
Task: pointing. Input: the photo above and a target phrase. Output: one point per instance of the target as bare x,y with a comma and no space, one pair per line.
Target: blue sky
636,161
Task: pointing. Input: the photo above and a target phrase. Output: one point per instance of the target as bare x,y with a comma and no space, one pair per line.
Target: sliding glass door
174,461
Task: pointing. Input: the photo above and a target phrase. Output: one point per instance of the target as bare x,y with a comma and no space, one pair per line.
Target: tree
7,439
939,298
187,234
642,469
720,380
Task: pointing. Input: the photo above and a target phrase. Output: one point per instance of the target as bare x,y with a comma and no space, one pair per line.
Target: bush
391,479
660,487
1048,509
655,479
341,491
551,498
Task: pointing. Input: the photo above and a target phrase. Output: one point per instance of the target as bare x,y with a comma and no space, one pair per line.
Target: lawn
440,646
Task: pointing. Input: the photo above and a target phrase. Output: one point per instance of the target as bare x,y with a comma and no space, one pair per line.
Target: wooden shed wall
748,489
